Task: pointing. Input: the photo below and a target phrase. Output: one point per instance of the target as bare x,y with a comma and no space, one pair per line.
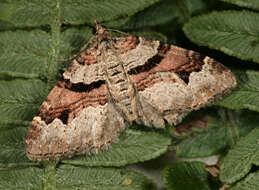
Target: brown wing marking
169,59
171,95
49,135
66,100
92,130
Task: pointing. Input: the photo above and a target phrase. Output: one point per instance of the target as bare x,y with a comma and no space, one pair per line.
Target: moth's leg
82,49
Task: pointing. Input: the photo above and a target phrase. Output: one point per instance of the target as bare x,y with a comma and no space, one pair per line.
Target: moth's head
101,33
99,29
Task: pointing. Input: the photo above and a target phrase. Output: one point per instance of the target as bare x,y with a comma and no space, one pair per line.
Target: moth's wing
181,82
143,50
71,122
87,74
85,68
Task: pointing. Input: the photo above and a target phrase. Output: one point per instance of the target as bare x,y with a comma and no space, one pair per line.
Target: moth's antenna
99,34
118,31
101,30
82,49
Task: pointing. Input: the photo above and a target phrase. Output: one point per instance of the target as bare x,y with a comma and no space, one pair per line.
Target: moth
119,81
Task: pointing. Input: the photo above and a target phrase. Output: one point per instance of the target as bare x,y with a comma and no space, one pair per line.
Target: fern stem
54,43
8,75
15,123
50,176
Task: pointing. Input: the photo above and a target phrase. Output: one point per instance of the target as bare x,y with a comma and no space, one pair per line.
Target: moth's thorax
120,88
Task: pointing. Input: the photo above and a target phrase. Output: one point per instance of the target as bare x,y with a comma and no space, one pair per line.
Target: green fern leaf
240,159
186,175
24,53
19,101
249,183
252,4
34,13
232,32
166,11
217,134
245,95
69,177
134,146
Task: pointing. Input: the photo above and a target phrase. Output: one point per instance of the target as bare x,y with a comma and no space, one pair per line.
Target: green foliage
37,36
68,177
239,160
232,32
166,11
105,178
34,13
161,14
249,183
23,178
246,93
27,55
219,133
186,175
253,4
73,39
134,146
12,146
20,100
